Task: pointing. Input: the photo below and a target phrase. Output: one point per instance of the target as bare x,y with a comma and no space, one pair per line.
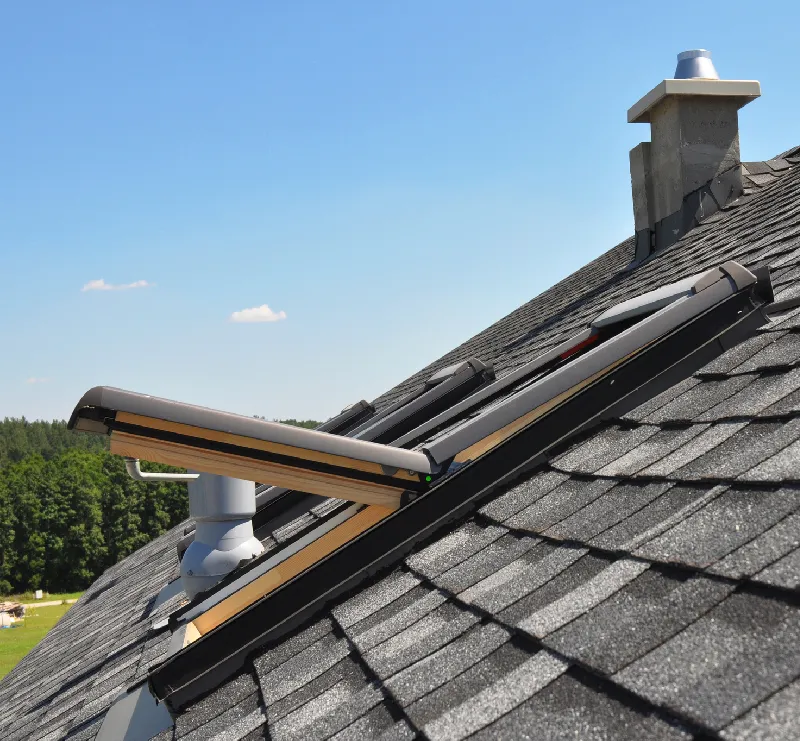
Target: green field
17,641
28,597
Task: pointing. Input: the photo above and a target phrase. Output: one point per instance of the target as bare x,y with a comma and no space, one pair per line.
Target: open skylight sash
475,437
442,395
490,391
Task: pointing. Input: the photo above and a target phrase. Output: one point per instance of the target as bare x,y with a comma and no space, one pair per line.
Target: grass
28,597
16,642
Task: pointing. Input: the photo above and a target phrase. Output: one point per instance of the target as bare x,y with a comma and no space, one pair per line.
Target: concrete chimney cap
742,90
694,76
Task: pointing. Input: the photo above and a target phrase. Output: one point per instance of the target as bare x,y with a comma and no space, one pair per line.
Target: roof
641,584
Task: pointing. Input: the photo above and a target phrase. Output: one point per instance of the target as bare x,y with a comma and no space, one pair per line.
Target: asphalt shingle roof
641,584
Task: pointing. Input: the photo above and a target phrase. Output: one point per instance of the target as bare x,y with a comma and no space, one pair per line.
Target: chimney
691,166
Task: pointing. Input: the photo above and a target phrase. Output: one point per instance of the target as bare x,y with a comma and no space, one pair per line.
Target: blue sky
387,178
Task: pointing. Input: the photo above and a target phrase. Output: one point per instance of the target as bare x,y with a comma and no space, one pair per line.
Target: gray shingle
651,450
783,466
87,731
301,668
707,440
789,405
721,666
700,398
343,673
600,449
523,495
373,598
724,524
669,509
740,354
568,709
786,320
583,598
661,400
440,667
229,694
565,500
497,699
326,714
422,638
373,725
232,724
762,179
760,552
290,529
241,728
763,392
756,168
454,548
549,587
486,562
292,646
783,573
521,577
607,510
637,619
395,617
461,688
783,350
742,451
776,719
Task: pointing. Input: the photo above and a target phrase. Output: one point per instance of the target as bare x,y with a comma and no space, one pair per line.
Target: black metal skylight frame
661,361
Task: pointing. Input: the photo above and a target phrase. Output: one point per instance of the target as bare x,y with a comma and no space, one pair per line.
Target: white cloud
33,379
257,314
101,285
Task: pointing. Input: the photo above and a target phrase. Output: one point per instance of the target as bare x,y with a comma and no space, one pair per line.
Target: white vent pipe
223,509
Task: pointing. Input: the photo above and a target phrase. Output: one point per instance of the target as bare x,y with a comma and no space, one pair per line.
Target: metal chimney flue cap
695,64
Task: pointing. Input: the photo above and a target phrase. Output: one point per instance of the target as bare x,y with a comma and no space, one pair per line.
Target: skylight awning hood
171,432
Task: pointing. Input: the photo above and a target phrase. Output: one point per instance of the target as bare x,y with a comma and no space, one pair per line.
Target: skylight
601,372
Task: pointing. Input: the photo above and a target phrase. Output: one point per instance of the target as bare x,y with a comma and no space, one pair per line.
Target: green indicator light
428,478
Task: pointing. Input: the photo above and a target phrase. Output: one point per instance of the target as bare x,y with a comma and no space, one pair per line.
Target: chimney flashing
743,91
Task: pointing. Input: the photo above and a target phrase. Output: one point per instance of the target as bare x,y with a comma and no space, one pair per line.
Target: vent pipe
695,64
223,509
691,166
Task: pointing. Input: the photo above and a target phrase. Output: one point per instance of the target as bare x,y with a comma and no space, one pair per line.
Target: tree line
69,510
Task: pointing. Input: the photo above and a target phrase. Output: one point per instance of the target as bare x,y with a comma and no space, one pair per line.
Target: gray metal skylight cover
204,439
